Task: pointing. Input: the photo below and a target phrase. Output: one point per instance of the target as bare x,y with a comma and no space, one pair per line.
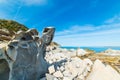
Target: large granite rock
24,55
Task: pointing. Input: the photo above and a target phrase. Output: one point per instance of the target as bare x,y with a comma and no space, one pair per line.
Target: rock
113,72
58,74
55,79
51,69
2,51
25,55
8,28
75,68
50,77
112,52
81,52
102,72
72,69
44,78
71,54
66,78
66,73
62,68
88,62
81,77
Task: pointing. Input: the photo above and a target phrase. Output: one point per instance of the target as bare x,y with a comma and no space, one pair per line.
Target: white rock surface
58,74
51,69
102,72
71,68
75,68
112,52
81,52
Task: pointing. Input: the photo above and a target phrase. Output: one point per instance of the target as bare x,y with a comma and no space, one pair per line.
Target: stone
55,79
81,52
49,77
66,78
81,77
102,72
51,69
25,54
62,68
58,74
66,73
44,78
2,51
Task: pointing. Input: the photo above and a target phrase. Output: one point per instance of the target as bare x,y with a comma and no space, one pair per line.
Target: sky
77,22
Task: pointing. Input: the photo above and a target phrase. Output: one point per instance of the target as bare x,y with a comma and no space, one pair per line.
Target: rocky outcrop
8,29
67,66
24,55
64,66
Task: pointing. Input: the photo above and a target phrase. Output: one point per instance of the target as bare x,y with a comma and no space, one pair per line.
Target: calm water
96,49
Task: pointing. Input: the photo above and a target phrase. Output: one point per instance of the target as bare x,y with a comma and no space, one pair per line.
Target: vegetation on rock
8,28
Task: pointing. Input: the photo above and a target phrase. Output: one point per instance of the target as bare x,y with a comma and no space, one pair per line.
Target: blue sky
77,22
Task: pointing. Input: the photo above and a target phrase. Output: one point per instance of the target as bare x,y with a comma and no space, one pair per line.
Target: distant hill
8,28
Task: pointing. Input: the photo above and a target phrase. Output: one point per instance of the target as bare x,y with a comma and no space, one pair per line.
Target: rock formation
28,57
65,66
24,55
8,28
102,72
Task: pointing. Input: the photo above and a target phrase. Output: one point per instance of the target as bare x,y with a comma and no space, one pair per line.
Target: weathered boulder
102,72
25,55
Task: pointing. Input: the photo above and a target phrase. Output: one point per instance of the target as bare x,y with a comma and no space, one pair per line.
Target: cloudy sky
77,22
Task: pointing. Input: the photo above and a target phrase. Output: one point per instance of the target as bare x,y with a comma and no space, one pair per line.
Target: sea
96,49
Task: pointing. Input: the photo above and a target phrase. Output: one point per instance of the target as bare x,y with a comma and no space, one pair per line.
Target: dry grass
114,61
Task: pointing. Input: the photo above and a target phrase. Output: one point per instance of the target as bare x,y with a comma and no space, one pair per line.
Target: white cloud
110,24
101,38
106,34
96,33
88,29
75,29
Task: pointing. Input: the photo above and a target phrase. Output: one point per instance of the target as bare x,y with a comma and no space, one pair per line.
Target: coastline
96,48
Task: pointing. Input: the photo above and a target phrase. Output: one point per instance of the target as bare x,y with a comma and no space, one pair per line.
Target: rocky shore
70,65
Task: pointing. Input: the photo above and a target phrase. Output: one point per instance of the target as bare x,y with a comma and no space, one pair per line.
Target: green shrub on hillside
11,25
8,28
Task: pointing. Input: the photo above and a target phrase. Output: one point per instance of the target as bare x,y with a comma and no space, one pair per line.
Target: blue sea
96,49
